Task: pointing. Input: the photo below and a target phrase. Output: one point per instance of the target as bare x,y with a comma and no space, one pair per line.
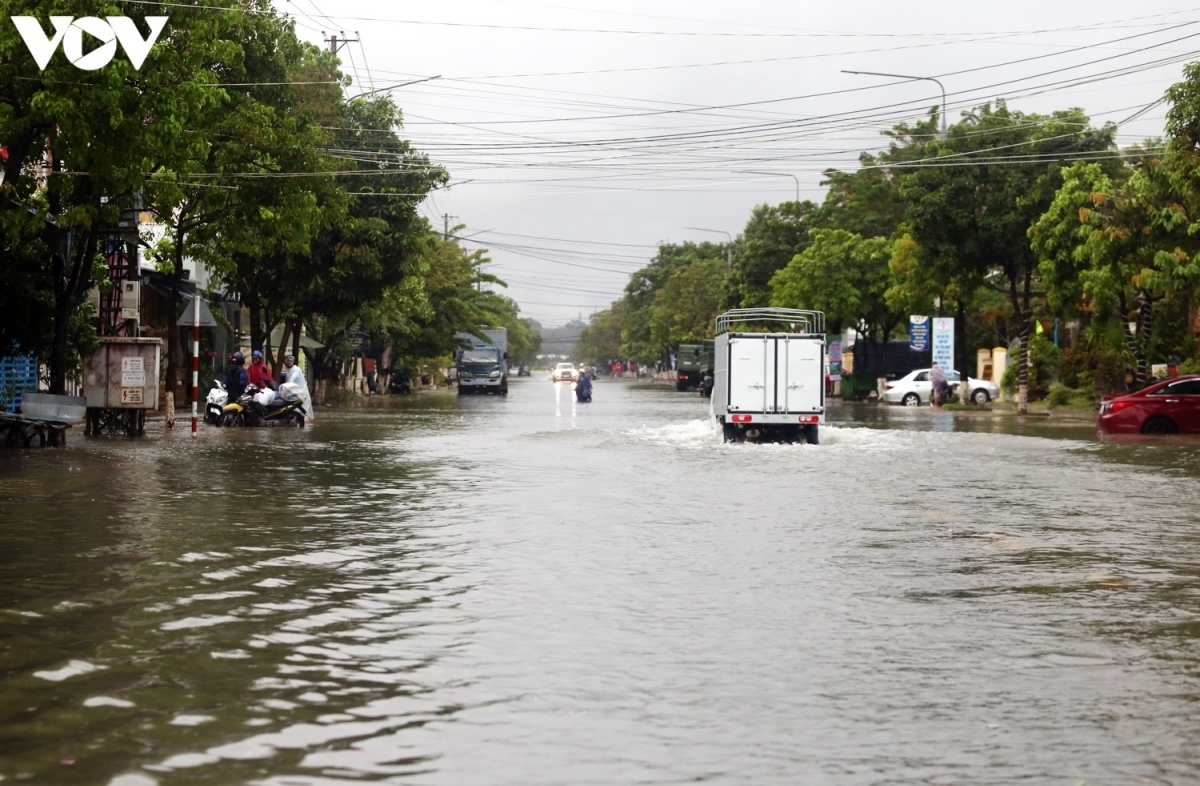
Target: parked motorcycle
257,408
214,404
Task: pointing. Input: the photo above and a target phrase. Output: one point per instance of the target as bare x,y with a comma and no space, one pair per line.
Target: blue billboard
918,333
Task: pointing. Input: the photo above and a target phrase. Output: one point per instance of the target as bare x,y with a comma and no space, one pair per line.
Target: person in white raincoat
294,376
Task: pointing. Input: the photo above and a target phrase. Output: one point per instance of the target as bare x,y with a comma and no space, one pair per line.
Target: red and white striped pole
195,361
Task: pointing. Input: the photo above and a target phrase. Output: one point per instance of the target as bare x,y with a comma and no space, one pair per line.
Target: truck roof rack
807,321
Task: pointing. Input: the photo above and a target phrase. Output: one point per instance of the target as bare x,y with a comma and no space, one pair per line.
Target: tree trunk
174,342
960,339
1024,314
257,339
71,264
1023,366
1146,330
58,358
283,340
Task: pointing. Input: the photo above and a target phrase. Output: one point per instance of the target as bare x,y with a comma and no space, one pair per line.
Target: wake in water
694,434
705,435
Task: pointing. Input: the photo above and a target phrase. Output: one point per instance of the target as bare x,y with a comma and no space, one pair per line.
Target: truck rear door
751,373
801,375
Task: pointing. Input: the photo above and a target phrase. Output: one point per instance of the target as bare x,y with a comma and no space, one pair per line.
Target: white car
915,389
564,371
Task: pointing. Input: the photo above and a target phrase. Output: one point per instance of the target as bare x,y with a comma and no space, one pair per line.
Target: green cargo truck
691,361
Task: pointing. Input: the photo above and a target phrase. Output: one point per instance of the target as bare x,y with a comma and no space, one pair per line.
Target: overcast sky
581,133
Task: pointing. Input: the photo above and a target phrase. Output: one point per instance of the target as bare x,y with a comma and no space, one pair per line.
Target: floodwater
528,591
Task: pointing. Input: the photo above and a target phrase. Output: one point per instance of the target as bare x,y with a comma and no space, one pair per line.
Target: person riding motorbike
294,376
258,371
236,378
583,387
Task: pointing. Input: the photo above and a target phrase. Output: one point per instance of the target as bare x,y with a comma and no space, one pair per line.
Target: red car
1170,406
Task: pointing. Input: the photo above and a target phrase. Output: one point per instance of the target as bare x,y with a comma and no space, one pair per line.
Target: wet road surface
528,591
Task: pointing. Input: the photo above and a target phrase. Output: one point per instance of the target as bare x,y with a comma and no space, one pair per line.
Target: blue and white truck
769,375
481,361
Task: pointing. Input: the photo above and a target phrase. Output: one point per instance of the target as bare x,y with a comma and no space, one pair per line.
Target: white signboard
133,373
943,342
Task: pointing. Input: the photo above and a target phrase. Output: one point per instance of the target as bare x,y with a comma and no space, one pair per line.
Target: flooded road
529,591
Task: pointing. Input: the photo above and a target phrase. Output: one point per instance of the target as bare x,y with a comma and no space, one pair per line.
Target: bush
336,394
1191,366
1045,362
1061,395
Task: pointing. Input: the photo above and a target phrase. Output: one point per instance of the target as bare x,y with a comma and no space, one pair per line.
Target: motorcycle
214,404
706,385
256,408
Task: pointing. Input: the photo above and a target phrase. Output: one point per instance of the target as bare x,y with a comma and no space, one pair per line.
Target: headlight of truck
494,374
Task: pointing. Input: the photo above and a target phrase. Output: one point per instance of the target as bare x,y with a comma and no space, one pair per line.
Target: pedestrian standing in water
941,384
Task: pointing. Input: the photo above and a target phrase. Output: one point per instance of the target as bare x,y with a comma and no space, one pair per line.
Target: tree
639,341
772,237
846,277
1115,247
600,341
235,203
686,307
96,132
970,201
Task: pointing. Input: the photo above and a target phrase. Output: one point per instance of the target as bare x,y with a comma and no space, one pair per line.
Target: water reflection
427,590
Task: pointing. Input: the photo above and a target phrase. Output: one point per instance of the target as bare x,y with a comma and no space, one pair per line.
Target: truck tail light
742,418
810,419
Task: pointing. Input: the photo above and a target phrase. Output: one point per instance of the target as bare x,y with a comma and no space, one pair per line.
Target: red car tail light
1113,407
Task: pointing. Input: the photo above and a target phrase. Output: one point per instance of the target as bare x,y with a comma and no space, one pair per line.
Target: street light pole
728,248
915,78
777,174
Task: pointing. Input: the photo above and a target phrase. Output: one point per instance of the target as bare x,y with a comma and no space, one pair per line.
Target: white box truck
769,375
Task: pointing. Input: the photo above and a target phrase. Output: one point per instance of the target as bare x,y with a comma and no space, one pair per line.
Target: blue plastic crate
17,375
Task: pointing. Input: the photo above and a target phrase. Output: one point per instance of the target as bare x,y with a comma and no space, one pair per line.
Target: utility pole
335,43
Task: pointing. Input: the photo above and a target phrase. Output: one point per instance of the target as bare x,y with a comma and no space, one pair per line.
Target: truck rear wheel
811,436
681,387
732,433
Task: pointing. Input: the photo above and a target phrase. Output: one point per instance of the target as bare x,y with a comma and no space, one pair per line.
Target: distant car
523,370
1171,406
564,371
915,389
